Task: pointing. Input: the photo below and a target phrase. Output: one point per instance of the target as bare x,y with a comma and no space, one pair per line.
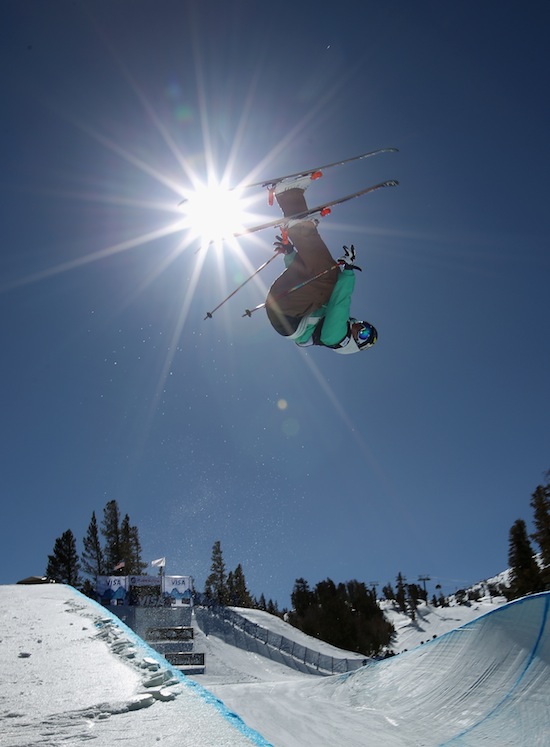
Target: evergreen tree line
530,570
229,589
113,548
346,615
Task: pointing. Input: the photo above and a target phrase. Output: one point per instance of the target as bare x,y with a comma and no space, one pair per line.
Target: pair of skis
319,210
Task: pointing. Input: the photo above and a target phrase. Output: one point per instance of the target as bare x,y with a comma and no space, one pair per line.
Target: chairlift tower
423,580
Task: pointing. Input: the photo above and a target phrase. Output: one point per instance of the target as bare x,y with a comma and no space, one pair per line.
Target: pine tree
93,562
63,565
125,545
135,546
372,630
303,614
215,587
110,528
414,593
400,594
525,577
302,598
130,548
230,585
241,594
333,622
540,503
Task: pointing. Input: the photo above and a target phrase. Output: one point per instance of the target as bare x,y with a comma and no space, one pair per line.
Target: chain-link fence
236,630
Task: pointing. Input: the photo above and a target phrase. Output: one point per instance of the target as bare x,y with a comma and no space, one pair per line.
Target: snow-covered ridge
431,622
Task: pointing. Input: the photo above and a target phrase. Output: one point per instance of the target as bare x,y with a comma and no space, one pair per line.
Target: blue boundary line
520,676
232,718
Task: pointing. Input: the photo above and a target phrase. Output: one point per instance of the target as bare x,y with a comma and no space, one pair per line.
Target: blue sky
416,456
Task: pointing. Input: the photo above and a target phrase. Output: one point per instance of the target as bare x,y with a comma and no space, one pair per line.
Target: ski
315,173
320,210
271,183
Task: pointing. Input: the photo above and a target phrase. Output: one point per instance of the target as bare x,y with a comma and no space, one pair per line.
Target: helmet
366,337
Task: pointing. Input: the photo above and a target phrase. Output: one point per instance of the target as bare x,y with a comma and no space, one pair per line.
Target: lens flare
212,213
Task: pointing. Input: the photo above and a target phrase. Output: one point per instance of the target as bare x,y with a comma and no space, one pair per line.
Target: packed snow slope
487,682
73,672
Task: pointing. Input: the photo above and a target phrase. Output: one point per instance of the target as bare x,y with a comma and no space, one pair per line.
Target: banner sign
144,581
178,587
110,588
144,590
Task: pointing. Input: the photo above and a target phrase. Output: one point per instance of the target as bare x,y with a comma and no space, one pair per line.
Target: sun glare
212,213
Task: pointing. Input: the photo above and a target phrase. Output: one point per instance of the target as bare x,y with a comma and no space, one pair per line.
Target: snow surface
277,626
72,672
431,622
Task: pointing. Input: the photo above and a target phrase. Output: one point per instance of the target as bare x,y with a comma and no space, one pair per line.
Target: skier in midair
310,302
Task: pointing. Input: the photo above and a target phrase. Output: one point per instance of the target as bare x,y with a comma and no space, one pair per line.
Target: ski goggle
365,333
366,336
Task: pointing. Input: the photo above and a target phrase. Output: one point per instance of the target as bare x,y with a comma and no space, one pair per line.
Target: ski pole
260,268
249,312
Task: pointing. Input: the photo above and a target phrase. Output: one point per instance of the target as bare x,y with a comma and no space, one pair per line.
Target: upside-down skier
310,302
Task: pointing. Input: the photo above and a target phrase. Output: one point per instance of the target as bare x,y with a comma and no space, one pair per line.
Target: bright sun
213,213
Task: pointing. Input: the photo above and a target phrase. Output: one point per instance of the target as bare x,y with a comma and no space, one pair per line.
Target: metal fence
236,630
